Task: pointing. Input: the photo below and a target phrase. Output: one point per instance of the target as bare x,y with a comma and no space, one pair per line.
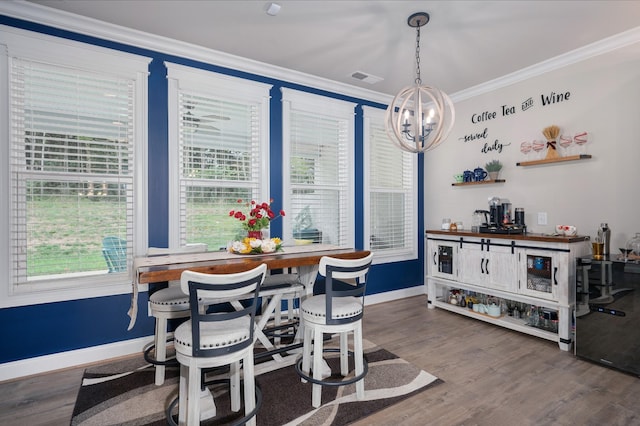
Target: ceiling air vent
367,78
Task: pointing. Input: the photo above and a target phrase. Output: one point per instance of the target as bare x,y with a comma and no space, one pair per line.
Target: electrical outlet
542,218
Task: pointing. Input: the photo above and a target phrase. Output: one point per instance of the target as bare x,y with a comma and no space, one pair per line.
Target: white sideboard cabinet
532,270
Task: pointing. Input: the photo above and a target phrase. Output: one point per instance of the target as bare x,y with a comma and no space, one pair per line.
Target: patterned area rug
124,393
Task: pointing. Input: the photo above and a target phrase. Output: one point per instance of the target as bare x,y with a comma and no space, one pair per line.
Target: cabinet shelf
540,273
504,321
451,284
554,160
482,182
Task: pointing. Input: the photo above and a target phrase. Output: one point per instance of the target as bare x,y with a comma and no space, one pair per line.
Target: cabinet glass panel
445,259
539,276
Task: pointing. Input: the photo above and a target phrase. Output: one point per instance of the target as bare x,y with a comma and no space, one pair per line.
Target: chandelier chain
418,79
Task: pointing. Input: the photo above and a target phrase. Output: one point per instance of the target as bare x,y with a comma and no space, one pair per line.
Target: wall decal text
554,97
506,110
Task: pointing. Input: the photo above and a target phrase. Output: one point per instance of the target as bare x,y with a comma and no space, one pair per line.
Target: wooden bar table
153,269
169,267
305,258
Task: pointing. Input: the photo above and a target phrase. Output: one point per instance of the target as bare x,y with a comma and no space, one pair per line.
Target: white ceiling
465,44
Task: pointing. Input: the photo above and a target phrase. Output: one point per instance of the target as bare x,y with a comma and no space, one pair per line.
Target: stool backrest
216,289
351,271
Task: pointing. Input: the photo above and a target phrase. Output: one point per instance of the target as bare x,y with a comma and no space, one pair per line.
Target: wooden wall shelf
483,182
554,160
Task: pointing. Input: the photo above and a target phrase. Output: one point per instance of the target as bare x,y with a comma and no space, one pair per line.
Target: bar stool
339,310
216,339
164,305
282,287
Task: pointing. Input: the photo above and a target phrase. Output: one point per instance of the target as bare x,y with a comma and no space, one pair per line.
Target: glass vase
254,234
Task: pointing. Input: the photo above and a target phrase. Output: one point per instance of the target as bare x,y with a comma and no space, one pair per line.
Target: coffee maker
500,219
495,212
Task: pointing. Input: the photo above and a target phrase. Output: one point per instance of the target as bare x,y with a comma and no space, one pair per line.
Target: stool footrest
151,360
332,382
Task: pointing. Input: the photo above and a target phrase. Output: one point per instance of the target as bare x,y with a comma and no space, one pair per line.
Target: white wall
604,101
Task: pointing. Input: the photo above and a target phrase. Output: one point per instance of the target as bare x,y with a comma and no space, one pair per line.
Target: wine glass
565,142
525,147
537,147
581,139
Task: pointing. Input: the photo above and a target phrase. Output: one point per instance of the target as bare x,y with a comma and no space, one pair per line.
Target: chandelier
420,117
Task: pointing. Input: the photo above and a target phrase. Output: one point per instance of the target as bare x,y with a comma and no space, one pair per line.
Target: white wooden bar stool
215,339
165,304
285,287
340,311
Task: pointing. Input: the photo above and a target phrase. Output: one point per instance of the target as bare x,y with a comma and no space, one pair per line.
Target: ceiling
466,43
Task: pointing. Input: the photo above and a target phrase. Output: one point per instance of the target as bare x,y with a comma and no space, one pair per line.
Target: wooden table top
152,269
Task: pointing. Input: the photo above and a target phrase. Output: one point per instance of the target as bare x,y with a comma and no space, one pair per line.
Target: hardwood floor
492,376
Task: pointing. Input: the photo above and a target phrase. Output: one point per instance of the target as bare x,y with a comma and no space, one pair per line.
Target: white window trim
329,107
220,86
20,43
411,252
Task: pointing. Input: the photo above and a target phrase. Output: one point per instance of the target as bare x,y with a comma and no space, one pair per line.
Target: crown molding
39,14
21,9
597,48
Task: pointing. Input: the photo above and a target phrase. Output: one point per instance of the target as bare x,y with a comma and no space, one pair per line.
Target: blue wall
57,327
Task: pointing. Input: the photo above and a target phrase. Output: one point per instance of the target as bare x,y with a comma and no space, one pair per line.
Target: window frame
294,100
376,116
219,86
66,53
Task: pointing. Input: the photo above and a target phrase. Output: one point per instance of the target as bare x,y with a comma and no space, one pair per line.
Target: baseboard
62,360
388,296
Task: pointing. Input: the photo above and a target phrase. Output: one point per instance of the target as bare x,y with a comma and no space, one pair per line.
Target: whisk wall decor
551,133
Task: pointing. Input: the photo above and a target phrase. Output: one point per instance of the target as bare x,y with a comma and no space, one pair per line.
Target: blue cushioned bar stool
340,311
214,338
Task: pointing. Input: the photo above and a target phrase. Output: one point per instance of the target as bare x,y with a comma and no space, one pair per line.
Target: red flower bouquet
258,217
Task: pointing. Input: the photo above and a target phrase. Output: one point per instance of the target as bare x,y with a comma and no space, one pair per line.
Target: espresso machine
499,218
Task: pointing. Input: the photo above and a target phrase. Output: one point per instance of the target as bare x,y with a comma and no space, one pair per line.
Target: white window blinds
318,163
218,133
72,165
391,190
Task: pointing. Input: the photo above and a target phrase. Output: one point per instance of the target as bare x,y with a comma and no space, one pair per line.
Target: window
75,127
218,137
318,168
390,193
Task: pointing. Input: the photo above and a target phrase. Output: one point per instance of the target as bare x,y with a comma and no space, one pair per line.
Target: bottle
604,235
520,216
634,245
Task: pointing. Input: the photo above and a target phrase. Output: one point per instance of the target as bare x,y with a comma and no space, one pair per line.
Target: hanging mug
479,174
